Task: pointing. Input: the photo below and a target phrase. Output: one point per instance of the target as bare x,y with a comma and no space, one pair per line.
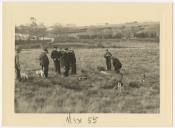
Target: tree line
60,32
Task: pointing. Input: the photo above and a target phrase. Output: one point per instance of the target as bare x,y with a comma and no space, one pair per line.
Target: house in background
26,37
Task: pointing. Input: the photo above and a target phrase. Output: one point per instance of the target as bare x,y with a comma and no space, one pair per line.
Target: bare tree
42,30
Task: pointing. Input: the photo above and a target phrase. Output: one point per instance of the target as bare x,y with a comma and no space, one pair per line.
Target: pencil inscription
70,119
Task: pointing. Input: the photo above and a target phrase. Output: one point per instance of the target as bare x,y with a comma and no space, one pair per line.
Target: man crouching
116,64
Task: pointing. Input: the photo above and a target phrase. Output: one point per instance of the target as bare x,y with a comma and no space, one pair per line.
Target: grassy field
58,94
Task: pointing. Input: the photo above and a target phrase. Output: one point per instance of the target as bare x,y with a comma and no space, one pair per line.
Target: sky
83,14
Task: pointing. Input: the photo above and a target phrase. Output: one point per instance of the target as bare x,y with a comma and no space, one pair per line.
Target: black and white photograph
93,62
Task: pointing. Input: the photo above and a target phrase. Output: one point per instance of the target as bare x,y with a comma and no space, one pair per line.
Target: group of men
115,61
64,57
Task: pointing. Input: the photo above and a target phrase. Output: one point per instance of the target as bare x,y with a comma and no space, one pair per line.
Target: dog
118,82
82,78
118,85
143,78
105,73
40,73
24,76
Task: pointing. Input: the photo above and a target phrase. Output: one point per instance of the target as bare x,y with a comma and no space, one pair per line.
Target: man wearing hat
72,61
56,57
44,61
66,58
108,56
17,65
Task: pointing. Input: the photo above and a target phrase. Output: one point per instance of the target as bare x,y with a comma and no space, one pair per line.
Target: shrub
145,34
100,45
134,84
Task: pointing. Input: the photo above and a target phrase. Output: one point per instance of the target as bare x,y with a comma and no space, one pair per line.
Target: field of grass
89,43
58,94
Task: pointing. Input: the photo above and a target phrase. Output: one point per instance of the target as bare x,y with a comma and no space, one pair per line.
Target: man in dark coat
56,57
17,65
62,51
66,58
117,64
73,61
108,56
44,62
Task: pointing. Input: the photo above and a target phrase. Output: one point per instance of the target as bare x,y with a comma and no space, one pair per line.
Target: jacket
44,60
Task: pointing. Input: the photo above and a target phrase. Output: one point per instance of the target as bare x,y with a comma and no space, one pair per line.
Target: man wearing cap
66,58
108,56
17,65
56,56
44,61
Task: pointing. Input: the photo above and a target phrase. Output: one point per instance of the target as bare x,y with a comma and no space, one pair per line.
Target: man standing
17,65
117,64
108,56
56,56
62,57
44,61
66,58
73,61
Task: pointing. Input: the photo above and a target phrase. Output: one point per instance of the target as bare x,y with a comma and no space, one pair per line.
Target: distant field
89,43
94,95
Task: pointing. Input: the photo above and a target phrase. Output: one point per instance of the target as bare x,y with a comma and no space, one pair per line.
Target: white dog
82,78
118,82
24,76
104,72
40,73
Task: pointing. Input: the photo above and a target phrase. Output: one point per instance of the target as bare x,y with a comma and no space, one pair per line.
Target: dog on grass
24,76
118,82
82,78
40,73
104,72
